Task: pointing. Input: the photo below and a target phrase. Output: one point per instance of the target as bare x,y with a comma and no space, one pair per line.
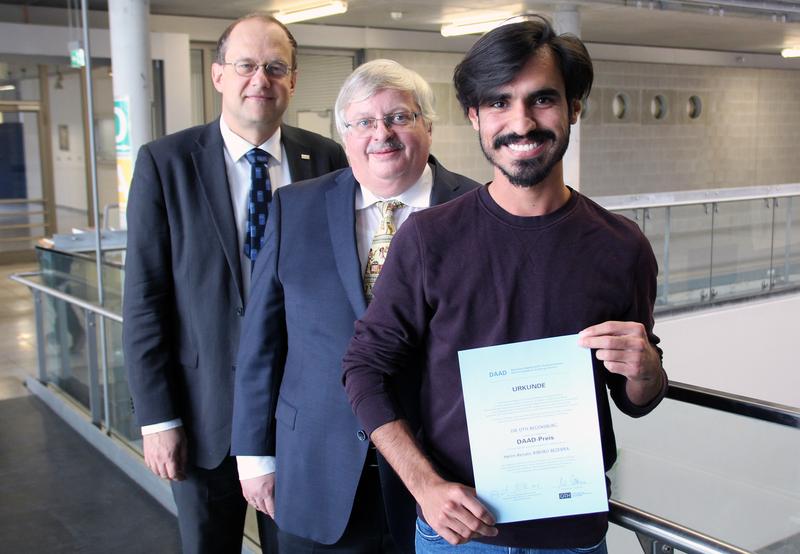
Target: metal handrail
668,532
106,213
18,214
22,278
21,201
696,198
21,226
653,528
735,404
683,392
21,238
19,106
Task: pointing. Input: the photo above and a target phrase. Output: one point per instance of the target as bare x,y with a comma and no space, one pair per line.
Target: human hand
454,511
260,493
165,453
624,348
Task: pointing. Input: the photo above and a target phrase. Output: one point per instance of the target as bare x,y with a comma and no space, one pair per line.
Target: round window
619,105
658,106
694,107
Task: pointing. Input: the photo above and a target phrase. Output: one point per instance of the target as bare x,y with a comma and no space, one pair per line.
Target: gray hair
377,75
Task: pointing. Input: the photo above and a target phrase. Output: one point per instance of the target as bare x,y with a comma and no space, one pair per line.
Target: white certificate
533,429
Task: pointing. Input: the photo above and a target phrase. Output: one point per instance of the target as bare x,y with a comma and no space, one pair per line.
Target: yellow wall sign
122,137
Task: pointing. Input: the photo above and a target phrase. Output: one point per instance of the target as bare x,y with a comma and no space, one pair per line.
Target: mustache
537,135
390,144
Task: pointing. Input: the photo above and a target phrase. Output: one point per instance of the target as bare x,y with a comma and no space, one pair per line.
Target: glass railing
719,463
71,352
705,473
719,245
699,474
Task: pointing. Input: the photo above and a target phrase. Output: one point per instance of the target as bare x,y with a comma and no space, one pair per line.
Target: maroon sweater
468,274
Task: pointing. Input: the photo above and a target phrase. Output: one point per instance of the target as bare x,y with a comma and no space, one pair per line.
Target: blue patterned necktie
260,197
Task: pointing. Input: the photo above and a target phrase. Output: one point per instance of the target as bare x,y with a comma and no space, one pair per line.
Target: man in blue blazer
327,237
187,275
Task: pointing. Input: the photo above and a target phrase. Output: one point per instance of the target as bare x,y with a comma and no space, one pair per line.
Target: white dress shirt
237,169
368,217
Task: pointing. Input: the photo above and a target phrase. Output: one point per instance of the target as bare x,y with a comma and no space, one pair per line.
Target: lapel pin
305,156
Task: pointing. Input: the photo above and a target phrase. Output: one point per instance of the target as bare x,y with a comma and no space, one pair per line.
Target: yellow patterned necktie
380,245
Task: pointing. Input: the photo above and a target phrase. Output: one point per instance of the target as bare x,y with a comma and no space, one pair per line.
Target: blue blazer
183,301
288,400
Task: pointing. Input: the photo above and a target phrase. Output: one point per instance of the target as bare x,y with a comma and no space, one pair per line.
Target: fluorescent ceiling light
790,52
458,29
487,23
4,88
310,11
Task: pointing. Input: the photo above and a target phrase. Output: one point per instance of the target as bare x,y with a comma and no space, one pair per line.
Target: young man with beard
524,258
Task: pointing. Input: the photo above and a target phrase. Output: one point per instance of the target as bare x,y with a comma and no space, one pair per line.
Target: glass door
27,211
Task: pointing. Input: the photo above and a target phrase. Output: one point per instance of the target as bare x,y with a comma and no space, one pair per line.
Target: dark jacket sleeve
389,334
262,350
643,296
149,300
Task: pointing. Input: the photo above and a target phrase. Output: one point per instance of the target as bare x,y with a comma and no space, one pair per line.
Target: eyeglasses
401,120
276,70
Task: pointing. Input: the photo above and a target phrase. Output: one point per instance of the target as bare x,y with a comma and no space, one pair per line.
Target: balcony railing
103,395
712,247
719,245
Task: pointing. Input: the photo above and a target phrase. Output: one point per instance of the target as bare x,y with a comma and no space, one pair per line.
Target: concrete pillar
567,19
131,65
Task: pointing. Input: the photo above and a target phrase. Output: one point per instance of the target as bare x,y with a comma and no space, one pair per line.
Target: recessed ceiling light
790,52
483,25
305,12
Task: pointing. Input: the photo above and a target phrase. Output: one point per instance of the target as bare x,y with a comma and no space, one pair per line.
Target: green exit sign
77,55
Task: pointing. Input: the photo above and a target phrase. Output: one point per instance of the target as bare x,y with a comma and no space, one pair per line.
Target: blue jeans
428,541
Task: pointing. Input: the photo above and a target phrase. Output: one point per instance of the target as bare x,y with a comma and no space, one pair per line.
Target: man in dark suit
191,242
327,239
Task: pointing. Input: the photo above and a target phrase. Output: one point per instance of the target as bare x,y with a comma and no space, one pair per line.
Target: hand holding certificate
533,429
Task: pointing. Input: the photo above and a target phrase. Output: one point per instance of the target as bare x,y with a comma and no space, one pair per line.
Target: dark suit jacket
183,300
306,296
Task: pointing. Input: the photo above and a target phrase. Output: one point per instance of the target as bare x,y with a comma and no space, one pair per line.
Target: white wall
69,175
173,48
65,104
748,349
733,478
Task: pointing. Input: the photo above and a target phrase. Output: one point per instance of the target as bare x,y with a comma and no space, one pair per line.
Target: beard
529,172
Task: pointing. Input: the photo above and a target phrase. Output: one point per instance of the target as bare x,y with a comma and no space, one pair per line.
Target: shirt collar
417,195
238,147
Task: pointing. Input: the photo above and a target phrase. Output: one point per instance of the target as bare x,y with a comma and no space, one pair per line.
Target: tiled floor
58,494
17,333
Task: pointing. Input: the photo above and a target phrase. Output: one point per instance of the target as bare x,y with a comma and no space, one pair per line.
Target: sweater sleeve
643,296
390,333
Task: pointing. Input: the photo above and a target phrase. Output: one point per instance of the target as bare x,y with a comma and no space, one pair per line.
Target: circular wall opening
658,106
619,105
694,107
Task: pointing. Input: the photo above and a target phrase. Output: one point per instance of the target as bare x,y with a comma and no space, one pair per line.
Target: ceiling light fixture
310,11
473,26
4,88
790,52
